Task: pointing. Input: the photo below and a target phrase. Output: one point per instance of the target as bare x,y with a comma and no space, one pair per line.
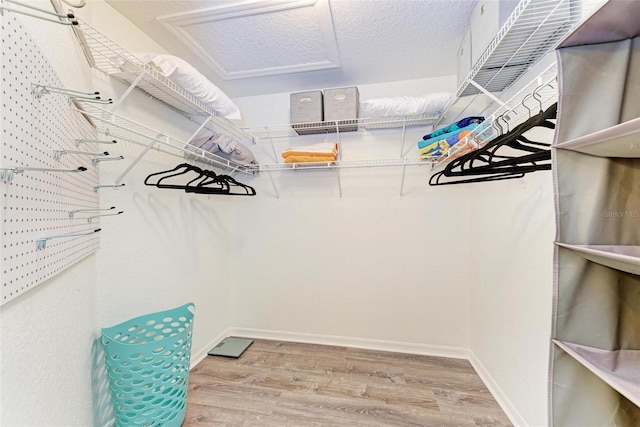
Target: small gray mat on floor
231,347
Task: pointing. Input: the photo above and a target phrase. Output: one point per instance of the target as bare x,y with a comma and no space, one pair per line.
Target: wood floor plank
277,383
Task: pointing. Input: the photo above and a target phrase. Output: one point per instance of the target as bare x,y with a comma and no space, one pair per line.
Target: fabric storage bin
306,110
148,361
464,58
342,105
487,19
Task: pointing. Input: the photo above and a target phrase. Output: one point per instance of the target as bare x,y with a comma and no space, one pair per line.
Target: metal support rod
128,91
41,243
404,169
486,92
274,186
204,123
339,183
140,156
273,147
404,131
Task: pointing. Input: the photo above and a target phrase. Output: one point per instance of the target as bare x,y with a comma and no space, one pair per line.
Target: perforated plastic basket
148,365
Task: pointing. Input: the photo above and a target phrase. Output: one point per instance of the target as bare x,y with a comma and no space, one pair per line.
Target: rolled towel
325,149
425,143
454,126
442,146
309,159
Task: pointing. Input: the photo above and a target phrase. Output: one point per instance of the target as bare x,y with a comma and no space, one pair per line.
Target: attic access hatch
231,347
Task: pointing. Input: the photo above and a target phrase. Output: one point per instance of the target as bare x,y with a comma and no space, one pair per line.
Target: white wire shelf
114,60
534,29
362,124
538,95
116,127
348,164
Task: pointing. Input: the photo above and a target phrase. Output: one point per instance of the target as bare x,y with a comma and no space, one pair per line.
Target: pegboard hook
94,141
114,186
6,174
41,243
59,153
93,97
72,213
67,19
89,219
97,160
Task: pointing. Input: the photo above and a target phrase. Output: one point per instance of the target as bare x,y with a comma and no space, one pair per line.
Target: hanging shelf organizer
533,29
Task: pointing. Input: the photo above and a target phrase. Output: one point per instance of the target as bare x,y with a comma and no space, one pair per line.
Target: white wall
425,268
168,248
47,333
368,265
511,293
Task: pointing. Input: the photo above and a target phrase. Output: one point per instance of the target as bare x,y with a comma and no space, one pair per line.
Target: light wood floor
277,383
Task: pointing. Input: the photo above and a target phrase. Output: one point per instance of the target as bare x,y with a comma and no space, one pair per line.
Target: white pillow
183,74
405,105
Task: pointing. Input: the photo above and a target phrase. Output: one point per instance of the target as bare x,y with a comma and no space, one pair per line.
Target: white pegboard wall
37,204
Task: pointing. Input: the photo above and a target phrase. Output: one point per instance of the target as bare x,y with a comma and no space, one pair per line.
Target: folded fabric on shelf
321,152
441,146
309,159
225,147
454,126
428,142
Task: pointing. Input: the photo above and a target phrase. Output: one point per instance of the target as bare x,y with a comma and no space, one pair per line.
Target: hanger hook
497,125
525,105
536,95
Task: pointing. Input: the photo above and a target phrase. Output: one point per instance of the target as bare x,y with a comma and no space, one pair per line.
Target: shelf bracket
126,93
274,185
140,156
404,169
404,132
486,92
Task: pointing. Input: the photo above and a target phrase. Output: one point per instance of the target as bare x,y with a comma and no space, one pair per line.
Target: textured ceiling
265,46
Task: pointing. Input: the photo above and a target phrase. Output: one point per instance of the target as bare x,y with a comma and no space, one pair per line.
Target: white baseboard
512,413
199,356
381,345
366,343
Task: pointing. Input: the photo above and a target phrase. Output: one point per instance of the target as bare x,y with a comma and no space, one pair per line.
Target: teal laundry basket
148,367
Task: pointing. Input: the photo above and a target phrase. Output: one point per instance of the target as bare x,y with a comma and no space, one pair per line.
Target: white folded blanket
433,103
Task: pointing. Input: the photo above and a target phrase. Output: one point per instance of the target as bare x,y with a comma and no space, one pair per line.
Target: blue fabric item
454,126
424,143
441,146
